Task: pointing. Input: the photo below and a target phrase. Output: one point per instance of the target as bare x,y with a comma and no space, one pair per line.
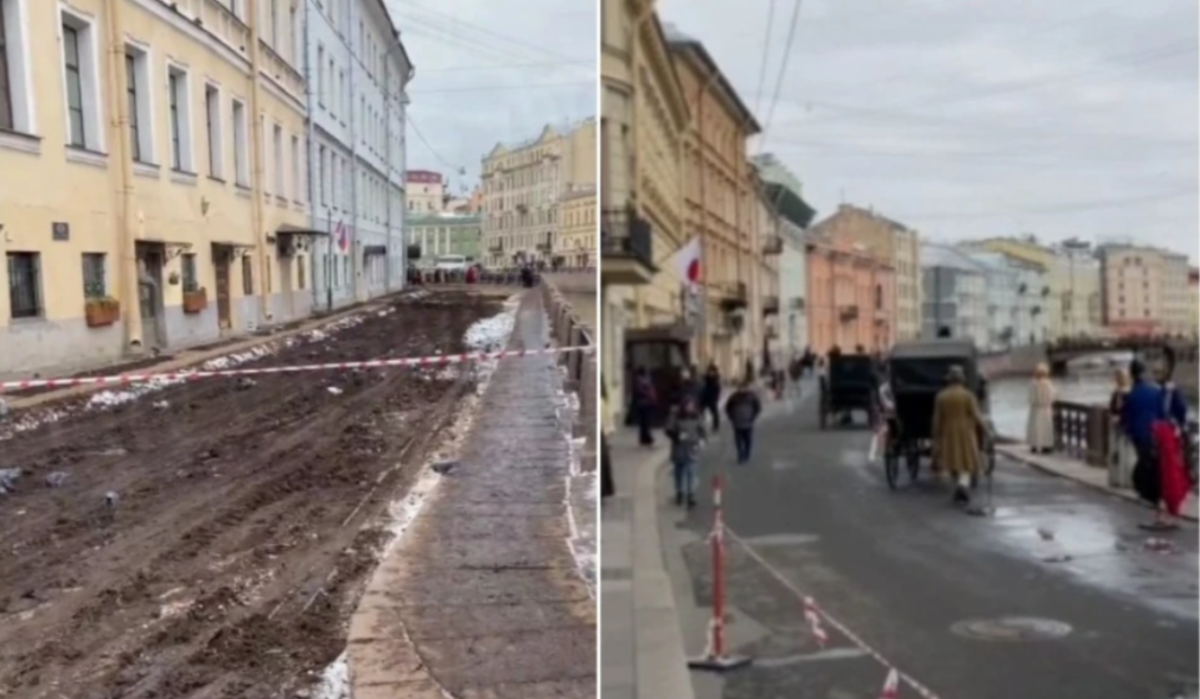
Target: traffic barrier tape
191,375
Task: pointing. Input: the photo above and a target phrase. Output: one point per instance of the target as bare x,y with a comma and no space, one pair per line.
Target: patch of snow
335,680
491,334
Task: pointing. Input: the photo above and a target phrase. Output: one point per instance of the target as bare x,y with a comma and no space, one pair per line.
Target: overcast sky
965,118
491,71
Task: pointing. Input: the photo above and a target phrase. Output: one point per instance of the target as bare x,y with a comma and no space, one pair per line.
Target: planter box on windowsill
195,301
101,312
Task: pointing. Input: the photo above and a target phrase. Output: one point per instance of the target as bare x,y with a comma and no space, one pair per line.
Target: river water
1087,384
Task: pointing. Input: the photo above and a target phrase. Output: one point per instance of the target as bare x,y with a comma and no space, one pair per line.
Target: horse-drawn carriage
851,384
917,372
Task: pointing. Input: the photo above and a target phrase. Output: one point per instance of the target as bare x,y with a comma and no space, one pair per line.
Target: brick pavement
481,598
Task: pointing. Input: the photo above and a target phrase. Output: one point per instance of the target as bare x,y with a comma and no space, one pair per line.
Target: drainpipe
387,173
256,187
310,154
355,256
127,266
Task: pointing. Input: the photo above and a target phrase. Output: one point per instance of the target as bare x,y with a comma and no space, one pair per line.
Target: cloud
979,117
488,72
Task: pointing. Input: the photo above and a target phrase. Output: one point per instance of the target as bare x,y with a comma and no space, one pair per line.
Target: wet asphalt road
899,570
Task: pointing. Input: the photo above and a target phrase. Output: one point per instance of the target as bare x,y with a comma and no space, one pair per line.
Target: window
300,271
322,168
277,144
179,114
297,163
187,265
77,135
95,281
212,130
247,276
321,75
24,284
6,96
131,92
275,26
241,161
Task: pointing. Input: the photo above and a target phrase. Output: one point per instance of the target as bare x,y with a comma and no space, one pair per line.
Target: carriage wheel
891,467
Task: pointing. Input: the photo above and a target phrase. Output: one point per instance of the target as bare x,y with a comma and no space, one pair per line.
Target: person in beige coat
958,423
1039,430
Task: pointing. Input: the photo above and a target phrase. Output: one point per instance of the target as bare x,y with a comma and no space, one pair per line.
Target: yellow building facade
644,120
575,245
143,166
720,206
523,186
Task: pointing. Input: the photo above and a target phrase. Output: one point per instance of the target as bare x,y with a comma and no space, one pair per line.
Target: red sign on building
423,177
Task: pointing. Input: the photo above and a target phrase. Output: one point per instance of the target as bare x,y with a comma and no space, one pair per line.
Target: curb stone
1026,459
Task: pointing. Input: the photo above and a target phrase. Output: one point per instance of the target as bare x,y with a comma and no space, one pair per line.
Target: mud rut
237,549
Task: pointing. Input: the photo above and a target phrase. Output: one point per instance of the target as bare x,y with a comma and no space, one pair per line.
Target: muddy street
242,519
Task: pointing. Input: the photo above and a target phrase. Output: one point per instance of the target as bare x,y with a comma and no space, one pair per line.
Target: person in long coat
1039,430
957,425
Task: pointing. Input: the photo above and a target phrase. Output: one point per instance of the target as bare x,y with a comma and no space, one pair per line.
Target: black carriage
916,372
850,385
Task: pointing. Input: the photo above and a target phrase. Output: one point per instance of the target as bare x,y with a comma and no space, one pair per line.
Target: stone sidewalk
482,598
642,649
1073,469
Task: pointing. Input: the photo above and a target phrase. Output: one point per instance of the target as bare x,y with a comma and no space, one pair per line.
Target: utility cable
762,71
420,136
783,66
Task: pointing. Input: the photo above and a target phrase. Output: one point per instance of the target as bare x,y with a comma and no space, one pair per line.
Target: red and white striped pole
714,657
891,685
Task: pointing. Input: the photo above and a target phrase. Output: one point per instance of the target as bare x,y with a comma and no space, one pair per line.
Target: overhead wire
783,66
762,70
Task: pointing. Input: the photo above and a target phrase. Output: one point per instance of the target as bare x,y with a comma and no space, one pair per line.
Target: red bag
1175,485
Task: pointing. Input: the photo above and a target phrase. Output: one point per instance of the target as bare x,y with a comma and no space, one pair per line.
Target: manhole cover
1013,628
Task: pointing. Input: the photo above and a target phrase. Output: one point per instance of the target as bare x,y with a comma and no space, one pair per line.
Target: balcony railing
773,245
734,295
770,305
625,234
848,313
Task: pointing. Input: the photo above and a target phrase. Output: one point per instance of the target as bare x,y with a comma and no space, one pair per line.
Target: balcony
848,314
496,248
770,305
797,304
734,295
626,248
773,245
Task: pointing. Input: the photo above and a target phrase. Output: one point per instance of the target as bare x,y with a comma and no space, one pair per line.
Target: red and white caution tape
825,618
191,375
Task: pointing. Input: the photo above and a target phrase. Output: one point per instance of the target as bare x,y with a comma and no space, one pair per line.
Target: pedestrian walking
710,395
685,429
607,486
743,409
1123,454
1158,475
957,425
689,387
1039,428
645,402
